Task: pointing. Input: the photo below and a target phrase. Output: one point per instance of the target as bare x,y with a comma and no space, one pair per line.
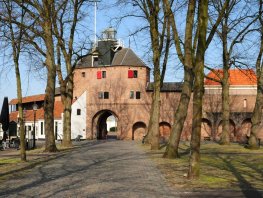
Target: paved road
97,169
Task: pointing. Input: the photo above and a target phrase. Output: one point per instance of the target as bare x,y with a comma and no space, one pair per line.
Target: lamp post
34,128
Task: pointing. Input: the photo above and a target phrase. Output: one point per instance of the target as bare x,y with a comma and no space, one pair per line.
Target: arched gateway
104,125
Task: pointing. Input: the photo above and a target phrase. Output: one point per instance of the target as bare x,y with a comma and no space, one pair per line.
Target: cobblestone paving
97,169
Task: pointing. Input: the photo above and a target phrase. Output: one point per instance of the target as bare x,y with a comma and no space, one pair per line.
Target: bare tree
159,28
257,113
232,31
13,35
39,34
66,19
187,54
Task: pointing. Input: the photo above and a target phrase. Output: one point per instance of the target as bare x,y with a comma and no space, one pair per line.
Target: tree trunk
20,113
256,117
225,135
180,115
50,145
181,112
194,165
67,114
253,142
155,117
153,126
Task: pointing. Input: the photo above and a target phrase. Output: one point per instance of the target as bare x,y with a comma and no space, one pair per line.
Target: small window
103,74
98,74
42,128
106,95
78,111
131,94
29,128
245,103
95,61
138,95
83,74
100,95
132,74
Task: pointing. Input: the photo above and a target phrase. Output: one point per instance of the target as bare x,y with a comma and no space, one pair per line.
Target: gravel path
96,169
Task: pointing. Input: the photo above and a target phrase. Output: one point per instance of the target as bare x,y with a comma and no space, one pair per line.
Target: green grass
222,167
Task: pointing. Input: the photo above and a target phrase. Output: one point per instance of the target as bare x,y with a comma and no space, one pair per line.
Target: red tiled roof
27,99
236,77
29,115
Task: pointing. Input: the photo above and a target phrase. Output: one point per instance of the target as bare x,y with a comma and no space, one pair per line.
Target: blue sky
34,82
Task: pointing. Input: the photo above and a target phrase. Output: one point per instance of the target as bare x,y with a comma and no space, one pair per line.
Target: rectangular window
98,74
135,74
138,95
56,130
41,128
29,128
104,95
78,111
83,74
100,95
132,74
103,74
95,61
131,94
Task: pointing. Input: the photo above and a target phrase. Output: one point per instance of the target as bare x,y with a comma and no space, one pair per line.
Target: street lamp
34,128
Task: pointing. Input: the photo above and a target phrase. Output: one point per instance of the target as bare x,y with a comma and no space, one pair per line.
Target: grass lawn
222,167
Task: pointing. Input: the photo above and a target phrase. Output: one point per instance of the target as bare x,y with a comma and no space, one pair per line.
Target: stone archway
232,127
138,131
100,129
206,129
165,130
244,131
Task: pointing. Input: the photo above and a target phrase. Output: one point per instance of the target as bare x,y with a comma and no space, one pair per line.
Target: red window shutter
98,74
130,74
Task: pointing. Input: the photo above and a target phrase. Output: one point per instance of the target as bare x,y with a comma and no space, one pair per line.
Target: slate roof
167,87
125,57
236,77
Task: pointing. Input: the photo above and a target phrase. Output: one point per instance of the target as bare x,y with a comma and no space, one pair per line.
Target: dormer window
95,61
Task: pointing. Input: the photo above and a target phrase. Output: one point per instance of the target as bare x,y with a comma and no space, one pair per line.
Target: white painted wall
78,122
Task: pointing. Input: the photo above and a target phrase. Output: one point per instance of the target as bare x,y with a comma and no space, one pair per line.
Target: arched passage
165,130
138,131
206,129
244,131
232,128
103,122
